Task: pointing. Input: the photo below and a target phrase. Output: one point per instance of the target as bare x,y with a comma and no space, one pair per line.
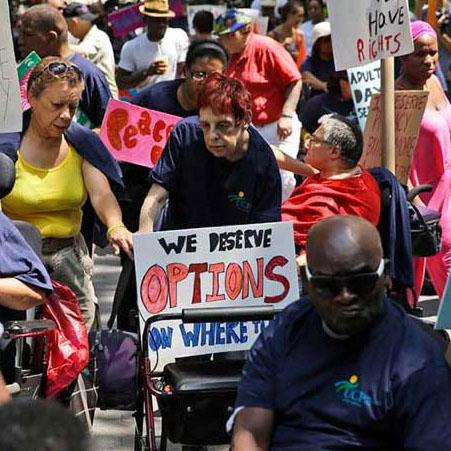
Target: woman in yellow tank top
53,181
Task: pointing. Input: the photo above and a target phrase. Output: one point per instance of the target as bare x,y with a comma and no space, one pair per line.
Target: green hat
230,21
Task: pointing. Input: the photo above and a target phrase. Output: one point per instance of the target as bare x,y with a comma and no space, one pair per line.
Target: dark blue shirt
18,260
94,98
162,97
206,191
322,104
389,389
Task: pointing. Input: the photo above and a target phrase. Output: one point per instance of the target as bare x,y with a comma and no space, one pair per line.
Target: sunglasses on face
361,284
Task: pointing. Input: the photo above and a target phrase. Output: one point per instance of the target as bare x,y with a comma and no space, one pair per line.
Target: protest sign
24,70
230,266
135,134
10,104
409,108
367,30
191,10
125,20
364,81
444,311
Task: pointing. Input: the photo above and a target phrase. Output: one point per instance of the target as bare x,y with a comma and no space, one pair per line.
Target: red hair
226,96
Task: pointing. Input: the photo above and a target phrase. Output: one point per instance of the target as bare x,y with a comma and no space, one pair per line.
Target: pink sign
23,90
126,20
135,134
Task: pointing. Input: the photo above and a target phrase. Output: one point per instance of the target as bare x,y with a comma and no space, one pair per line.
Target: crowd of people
268,133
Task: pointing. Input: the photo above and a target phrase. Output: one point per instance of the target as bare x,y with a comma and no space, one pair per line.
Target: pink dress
432,164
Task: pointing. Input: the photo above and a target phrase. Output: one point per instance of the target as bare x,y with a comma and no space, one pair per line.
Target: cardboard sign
191,10
125,20
213,267
409,109
10,103
444,310
24,70
364,81
134,134
367,30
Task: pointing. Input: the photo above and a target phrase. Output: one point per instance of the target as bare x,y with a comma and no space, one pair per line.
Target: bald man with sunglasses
344,367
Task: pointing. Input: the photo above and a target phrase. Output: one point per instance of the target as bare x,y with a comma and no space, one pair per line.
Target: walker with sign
204,295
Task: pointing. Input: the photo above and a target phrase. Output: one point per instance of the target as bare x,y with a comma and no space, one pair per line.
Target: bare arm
252,430
152,205
292,95
314,82
18,295
292,164
107,208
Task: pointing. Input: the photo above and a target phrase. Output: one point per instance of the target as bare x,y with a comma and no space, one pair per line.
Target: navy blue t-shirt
206,191
162,97
389,389
322,104
94,98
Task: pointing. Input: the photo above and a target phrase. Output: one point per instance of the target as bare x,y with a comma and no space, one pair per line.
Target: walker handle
218,314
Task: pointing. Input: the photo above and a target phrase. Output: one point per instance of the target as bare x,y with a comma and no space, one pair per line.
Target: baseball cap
80,10
230,21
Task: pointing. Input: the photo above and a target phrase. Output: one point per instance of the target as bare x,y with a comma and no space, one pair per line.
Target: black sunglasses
360,283
58,68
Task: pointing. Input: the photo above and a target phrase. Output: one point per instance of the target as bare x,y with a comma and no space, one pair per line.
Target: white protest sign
216,10
367,30
409,109
233,266
10,100
364,81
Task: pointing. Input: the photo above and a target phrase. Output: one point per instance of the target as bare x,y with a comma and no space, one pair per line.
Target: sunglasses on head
59,68
361,284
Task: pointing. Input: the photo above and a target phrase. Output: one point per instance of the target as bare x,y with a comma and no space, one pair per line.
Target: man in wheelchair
344,367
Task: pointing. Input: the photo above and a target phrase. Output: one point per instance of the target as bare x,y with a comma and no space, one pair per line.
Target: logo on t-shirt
240,201
351,393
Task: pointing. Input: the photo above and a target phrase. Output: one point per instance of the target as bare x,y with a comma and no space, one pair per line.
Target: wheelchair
195,396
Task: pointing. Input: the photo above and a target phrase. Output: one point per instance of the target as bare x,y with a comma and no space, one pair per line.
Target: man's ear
335,153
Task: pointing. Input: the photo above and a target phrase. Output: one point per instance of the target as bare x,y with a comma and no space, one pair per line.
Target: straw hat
156,8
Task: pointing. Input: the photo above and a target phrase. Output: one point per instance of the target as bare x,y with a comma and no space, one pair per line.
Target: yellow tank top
51,199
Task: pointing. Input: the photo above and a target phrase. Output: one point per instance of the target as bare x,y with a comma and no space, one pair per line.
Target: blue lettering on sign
211,334
160,338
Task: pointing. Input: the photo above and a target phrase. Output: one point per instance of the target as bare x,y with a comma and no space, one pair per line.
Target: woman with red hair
215,169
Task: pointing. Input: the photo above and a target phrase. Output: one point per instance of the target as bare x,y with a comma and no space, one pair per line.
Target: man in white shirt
93,44
156,55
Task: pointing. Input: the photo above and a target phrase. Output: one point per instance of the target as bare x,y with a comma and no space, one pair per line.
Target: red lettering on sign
158,128
144,123
155,154
176,273
215,269
360,47
129,136
116,121
273,263
257,287
233,280
197,269
154,289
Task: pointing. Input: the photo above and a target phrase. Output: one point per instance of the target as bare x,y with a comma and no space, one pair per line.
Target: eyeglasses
199,76
360,283
59,68
312,139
